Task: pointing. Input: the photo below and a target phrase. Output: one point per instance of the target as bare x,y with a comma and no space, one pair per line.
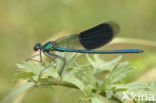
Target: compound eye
37,47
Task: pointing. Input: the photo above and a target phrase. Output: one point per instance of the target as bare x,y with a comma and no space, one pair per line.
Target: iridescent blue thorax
48,46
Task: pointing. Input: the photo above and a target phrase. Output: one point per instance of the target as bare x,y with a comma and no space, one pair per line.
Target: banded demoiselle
82,42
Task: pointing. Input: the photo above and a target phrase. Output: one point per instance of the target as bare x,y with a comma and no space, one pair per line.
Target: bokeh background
25,22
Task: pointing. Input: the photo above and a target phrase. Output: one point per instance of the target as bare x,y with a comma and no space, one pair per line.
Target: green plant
100,81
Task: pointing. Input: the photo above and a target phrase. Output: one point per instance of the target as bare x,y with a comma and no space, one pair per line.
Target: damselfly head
37,47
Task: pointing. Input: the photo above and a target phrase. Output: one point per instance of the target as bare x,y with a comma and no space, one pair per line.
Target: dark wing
90,39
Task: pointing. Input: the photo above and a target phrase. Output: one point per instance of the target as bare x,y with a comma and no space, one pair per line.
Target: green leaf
99,99
81,77
132,86
86,76
33,67
109,93
120,71
17,92
23,75
71,78
101,65
25,65
153,86
88,91
51,71
36,68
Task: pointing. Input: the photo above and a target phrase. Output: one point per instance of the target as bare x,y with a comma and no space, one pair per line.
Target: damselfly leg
61,58
31,58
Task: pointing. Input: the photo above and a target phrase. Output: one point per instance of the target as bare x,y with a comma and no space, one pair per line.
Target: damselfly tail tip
139,51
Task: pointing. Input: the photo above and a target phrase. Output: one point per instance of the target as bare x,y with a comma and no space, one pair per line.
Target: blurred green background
25,22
